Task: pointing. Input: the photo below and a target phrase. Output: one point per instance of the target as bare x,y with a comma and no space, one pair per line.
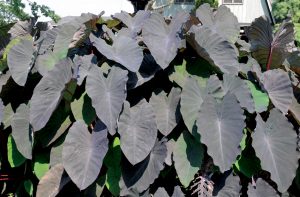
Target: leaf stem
270,59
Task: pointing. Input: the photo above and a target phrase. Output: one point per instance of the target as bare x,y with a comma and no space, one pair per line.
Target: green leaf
261,99
28,187
41,164
112,161
247,156
198,68
8,114
188,154
82,109
15,158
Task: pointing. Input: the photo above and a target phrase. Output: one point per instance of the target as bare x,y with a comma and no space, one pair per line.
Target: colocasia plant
141,105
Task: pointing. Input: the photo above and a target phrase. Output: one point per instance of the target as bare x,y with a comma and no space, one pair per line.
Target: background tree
288,8
13,10
212,3
284,8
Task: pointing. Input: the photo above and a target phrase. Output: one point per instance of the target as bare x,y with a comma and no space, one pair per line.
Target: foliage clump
138,105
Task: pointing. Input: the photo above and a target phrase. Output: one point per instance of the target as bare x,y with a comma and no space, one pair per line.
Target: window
232,1
184,1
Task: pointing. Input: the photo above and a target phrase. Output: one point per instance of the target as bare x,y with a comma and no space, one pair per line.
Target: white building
247,10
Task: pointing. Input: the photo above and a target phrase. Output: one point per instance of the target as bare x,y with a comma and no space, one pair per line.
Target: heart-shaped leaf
214,48
163,40
217,123
268,49
107,94
21,131
134,24
166,110
222,21
279,88
275,144
124,50
48,93
138,131
19,61
83,153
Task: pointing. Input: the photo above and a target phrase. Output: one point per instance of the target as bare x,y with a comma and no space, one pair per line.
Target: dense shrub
140,105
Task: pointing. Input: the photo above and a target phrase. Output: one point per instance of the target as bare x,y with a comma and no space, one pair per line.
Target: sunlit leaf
21,131
163,40
279,88
20,61
166,110
107,94
134,24
83,153
222,21
48,93
215,49
191,102
275,143
217,123
138,131
124,50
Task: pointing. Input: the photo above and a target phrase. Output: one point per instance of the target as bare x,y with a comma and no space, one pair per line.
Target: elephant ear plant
140,105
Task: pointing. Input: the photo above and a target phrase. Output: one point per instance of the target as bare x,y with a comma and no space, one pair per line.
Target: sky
76,7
